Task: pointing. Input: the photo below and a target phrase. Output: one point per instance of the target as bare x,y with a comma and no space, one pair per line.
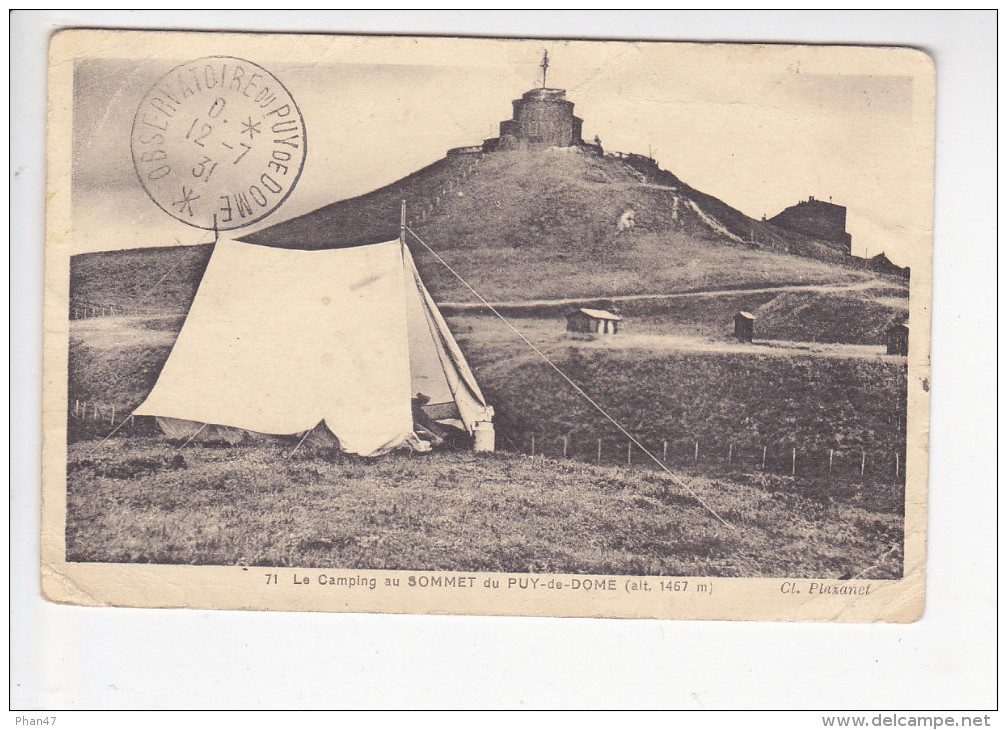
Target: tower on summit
542,118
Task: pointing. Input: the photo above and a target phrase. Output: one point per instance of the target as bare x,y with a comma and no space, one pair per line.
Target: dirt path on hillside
535,303
772,348
124,332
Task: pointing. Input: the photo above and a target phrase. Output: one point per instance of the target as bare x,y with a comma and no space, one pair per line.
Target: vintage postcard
487,326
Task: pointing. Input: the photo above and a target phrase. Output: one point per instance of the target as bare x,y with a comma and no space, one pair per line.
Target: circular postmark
218,143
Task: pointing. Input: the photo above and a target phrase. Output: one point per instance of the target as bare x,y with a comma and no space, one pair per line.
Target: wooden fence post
564,446
111,417
629,454
730,454
695,454
896,466
863,461
599,451
793,462
763,458
831,453
97,413
664,451
533,444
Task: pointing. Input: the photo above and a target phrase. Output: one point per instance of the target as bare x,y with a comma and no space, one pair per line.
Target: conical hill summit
566,222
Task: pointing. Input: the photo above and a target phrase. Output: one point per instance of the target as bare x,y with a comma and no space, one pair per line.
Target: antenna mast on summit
544,65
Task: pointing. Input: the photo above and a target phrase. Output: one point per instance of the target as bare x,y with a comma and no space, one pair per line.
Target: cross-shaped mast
544,65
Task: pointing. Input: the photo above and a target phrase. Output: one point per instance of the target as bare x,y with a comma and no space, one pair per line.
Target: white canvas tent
283,341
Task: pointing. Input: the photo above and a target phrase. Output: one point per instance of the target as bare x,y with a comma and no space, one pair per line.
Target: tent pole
402,229
402,222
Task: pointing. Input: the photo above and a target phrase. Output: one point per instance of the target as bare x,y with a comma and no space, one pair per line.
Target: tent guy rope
111,433
189,440
303,438
576,387
175,265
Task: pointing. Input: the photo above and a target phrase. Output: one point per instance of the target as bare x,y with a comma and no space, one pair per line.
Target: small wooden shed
592,321
744,326
897,338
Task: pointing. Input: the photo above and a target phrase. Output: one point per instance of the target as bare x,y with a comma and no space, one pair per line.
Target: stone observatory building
542,118
825,221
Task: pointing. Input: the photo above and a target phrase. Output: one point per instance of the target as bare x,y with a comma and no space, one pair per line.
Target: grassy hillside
859,316
841,317
137,500
116,361
519,226
152,280
743,398
528,226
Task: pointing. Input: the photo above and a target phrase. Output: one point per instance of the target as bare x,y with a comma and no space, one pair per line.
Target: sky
761,127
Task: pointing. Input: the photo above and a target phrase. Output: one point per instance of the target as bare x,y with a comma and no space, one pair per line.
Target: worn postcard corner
476,326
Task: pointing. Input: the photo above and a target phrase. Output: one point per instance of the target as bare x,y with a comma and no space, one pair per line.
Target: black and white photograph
538,327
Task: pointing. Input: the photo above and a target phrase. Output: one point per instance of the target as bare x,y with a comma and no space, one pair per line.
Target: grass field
139,500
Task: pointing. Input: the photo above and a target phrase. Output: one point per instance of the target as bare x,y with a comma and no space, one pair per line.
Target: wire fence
866,464
88,310
91,419
98,414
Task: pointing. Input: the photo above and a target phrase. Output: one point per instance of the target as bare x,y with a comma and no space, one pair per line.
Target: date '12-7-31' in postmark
218,143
